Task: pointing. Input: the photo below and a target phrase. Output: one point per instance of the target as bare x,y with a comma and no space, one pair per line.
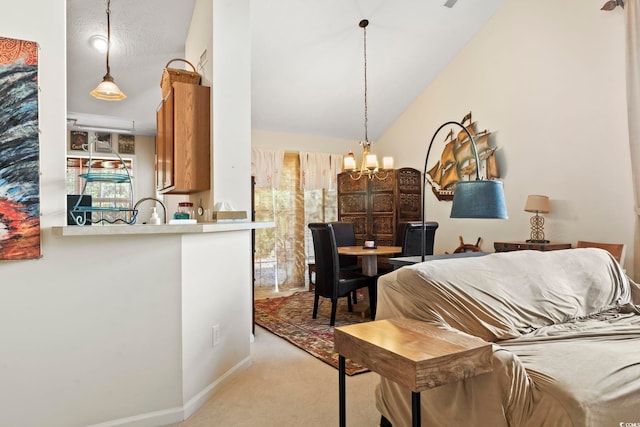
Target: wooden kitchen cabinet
183,141
375,207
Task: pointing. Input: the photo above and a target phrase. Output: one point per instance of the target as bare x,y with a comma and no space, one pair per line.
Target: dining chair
411,245
331,281
615,249
345,236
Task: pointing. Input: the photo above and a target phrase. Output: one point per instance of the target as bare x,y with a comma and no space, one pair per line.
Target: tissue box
229,215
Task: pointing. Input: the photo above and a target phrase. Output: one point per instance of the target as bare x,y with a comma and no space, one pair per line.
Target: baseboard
199,399
150,419
178,414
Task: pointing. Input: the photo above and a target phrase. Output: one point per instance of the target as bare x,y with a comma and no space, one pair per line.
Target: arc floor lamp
479,198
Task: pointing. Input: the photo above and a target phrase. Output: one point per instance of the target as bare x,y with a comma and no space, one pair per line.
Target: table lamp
471,199
537,204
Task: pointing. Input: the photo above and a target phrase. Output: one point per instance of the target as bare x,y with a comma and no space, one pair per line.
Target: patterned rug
290,318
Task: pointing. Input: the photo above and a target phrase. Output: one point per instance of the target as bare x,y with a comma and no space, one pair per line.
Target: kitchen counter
130,230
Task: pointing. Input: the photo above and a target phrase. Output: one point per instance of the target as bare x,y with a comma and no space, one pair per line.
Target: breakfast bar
149,297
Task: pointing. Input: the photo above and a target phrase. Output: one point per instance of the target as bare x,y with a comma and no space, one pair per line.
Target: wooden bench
411,353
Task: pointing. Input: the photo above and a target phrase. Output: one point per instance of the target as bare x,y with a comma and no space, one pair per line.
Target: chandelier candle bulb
350,161
372,161
387,162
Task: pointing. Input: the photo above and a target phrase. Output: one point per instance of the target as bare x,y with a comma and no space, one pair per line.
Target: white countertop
129,230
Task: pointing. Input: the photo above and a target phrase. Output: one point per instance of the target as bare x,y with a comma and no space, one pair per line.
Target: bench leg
342,391
415,409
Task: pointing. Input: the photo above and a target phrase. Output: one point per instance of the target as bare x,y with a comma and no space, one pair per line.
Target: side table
521,246
411,353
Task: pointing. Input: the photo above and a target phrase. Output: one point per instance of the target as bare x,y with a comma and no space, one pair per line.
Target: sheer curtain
319,171
299,189
266,167
319,179
276,199
632,14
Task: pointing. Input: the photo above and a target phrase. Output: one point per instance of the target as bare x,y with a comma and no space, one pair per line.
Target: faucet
164,208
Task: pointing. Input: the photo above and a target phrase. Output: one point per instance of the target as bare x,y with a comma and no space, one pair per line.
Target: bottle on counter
154,219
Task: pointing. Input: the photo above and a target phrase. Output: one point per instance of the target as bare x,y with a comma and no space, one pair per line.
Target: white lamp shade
387,162
537,204
350,162
371,161
108,91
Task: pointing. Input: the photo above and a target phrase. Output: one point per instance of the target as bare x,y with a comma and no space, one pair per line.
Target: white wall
298,142
93,331
218,27
232,104
222,27
548,78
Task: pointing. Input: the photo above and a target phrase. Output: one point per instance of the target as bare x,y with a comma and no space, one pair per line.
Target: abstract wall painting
19,151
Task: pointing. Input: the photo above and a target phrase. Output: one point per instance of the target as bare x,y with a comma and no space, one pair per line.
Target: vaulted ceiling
307,59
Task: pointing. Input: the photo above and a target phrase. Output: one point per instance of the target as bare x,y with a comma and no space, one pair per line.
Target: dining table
369,267
369,255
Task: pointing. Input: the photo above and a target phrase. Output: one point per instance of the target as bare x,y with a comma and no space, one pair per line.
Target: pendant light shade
107,89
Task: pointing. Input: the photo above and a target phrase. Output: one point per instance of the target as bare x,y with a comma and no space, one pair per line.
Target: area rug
290,318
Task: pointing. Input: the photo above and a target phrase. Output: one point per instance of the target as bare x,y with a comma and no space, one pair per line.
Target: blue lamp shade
479,199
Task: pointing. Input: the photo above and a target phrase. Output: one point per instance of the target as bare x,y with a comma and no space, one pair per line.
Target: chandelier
369,166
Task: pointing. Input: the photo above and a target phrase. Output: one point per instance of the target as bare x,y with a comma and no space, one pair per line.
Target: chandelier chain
366,112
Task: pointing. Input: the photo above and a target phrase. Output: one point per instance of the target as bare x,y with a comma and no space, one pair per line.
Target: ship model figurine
458,161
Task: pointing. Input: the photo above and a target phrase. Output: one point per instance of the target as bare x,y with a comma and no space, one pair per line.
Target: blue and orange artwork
19,151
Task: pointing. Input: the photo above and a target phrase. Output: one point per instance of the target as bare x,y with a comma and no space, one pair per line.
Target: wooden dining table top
359,250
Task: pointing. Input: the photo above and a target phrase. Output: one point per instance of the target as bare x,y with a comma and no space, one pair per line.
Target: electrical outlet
216,335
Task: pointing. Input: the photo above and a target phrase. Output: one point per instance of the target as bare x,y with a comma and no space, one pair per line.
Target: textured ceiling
307,58
145,34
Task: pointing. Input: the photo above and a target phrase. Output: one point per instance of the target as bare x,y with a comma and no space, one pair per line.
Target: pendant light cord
364,24
108,35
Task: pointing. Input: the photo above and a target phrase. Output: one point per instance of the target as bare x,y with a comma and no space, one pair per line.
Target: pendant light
369,166
107,89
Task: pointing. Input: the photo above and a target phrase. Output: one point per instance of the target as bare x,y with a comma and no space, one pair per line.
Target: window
282,253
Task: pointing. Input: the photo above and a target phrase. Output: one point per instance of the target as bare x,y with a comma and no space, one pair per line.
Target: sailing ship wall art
457,161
